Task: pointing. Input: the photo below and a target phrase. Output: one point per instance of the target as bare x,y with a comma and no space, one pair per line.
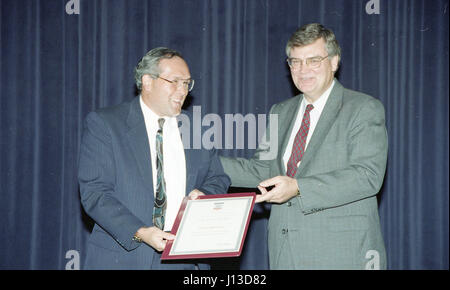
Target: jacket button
289,203
284,231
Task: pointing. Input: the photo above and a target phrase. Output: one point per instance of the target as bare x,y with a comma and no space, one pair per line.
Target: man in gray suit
330,164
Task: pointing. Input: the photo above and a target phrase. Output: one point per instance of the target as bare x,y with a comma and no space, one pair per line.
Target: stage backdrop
58,63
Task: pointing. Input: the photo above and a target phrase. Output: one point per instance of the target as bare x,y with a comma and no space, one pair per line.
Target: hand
155,237
285,188
195,194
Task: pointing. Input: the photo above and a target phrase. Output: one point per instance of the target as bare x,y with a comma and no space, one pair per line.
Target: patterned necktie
160,204
299,144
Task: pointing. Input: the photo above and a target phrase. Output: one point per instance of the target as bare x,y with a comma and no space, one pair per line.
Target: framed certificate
211,226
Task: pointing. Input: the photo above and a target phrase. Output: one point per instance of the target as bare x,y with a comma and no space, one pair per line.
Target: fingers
160,245
281,189
268,196
168,236
157,238
261,198
264,196
195,194
161,240
262,189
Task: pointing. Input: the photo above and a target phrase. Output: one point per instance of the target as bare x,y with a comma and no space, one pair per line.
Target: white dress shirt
314,116
174,161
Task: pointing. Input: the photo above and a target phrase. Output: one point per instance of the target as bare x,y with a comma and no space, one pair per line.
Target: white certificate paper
212,226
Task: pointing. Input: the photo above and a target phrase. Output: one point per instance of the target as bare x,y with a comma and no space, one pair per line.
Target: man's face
161,96
313,82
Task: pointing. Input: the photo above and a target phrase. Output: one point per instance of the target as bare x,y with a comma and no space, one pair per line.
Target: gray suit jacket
334,224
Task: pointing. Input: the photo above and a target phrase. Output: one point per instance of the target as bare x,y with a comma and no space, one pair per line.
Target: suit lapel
326,120
138,140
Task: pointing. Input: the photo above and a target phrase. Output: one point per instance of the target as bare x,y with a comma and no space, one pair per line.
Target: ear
147,81
335,63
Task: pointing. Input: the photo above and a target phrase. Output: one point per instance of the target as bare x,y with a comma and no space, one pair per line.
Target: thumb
168,236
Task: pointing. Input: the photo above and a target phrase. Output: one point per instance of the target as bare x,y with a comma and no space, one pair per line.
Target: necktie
159,208
299,144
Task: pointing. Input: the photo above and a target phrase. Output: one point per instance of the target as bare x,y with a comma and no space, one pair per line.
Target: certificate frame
180,230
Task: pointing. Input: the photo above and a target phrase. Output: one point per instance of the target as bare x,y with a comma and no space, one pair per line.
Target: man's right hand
154,237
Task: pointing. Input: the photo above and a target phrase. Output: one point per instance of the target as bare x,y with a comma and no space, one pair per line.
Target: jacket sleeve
250,172
216,181
96,176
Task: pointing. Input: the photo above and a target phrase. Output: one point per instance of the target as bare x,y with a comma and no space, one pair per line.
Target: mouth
178,103
307,80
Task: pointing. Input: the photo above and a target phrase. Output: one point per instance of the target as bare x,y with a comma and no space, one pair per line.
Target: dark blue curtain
56,67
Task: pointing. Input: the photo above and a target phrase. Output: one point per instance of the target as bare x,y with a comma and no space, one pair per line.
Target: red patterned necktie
299,144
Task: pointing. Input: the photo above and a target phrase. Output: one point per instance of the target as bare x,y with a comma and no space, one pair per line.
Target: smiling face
313,82
161,96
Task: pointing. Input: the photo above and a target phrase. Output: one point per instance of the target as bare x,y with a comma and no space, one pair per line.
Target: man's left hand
285,188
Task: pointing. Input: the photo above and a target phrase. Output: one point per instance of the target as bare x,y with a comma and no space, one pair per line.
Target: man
330,165
134,171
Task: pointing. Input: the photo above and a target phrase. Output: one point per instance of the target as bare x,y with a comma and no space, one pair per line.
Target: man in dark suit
134,171
330,164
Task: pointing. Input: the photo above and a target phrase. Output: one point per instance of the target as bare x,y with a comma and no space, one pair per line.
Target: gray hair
149,64
309,33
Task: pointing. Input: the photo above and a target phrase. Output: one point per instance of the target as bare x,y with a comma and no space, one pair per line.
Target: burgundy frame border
166,253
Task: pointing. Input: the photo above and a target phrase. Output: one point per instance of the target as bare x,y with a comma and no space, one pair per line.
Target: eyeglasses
187,84
312,62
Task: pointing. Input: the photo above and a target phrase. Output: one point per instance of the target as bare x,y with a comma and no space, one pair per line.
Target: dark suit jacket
116,186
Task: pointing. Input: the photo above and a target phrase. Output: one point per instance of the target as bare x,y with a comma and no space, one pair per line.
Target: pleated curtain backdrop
56,67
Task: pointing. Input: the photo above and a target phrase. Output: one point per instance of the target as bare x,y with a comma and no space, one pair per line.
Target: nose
304,68
182,88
